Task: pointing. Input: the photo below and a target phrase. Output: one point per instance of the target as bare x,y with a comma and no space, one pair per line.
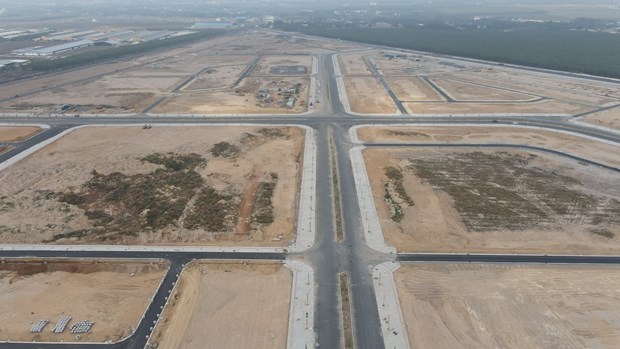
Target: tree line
594,53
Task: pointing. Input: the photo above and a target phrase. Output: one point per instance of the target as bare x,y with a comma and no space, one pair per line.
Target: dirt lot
219,77
465,82
412,89
17,133
232,305
267,63
132,86
609,118
472,92
243,100
570,144
510,306
22,87
165,185
450,200
367,96
353,64
113,295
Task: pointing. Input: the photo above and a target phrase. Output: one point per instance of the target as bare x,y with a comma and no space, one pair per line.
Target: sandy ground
463,80
434,224
240,101
113,295
232,305
216,78
353,64
134,85
586,92
67,164
471,92
19,88
367,96
609,118
412,89
266,63
574,145
17,133
542,107
510,306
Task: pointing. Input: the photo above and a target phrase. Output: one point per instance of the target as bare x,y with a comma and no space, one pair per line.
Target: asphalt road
328,256
387,87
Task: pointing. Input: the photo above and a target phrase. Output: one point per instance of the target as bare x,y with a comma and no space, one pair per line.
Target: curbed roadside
390,312
368,211
301,315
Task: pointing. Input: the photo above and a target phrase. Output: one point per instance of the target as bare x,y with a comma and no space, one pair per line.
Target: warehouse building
52,50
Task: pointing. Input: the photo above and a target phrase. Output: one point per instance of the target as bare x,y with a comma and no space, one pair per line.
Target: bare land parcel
165,185
216,76
510,306
227,305
17,133
111,294
485,200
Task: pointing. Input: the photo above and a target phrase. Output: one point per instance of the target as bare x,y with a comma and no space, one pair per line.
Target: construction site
216,185
75,301
380,82
269,189
225,75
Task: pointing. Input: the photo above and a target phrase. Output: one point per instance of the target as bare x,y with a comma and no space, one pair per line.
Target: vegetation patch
118,204
507,191
273,132
225,149
6,204
213,211
603,232
395,175
396,210
175,162
407,133
262,211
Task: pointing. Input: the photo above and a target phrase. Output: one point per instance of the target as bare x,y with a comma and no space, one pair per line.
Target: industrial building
51,50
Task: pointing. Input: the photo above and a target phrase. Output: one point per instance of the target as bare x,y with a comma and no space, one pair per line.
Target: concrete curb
140,248
390,312
368,211
306,225
342,92
301,314
355,138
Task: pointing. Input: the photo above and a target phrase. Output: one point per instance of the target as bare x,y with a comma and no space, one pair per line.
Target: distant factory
52,50
73,40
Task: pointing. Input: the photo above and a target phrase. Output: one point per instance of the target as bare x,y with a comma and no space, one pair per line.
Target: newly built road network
328,256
